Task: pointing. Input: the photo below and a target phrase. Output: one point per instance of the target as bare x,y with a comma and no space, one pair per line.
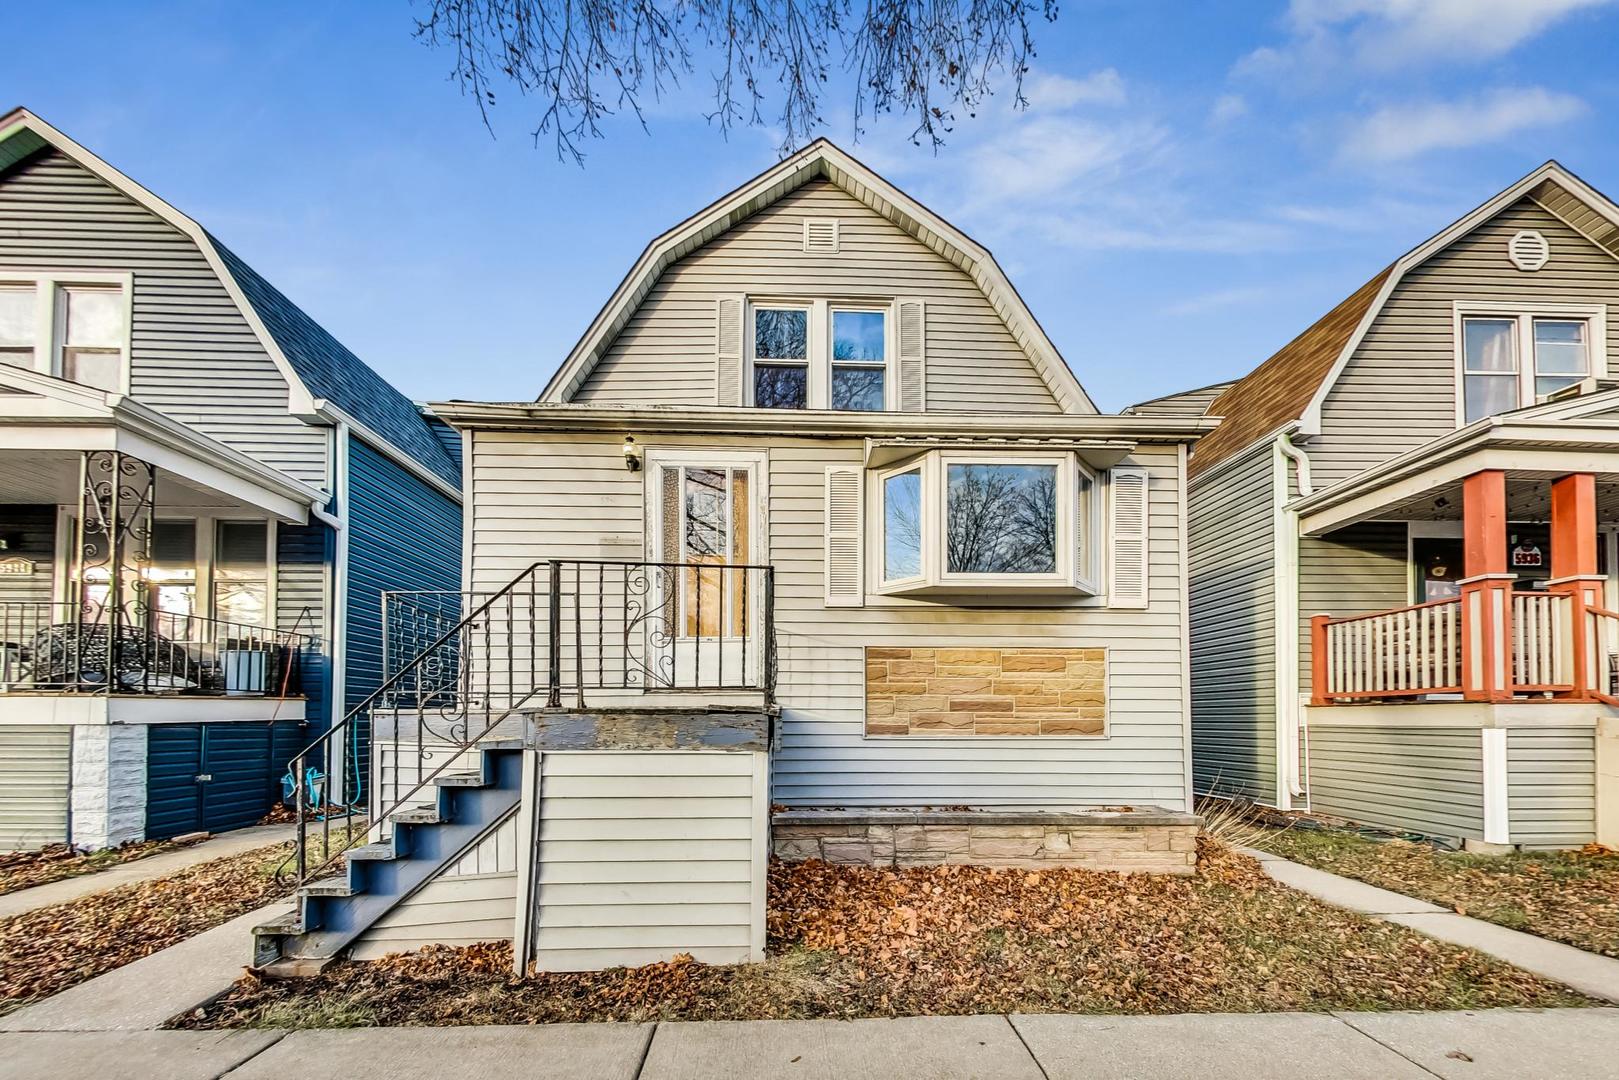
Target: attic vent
1528,250
821,235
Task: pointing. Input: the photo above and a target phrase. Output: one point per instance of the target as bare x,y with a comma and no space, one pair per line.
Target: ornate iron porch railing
55,648
563,633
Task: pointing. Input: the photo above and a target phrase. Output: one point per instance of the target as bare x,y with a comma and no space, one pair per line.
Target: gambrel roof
317,367
821,160
1291,386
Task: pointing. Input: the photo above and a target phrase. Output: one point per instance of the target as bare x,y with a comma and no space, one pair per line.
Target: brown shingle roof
1280,389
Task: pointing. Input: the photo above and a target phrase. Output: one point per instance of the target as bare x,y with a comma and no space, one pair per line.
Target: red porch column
1486,589
1574,569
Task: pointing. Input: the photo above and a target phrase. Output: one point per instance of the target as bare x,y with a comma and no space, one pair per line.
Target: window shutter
728,350
913,356
845,566
1127,526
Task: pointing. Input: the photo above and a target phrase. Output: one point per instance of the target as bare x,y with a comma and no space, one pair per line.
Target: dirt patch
25,869
850,942
1567,896
45,951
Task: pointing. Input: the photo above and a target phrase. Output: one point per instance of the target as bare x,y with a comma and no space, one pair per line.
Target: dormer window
820,354
74,327
1513,359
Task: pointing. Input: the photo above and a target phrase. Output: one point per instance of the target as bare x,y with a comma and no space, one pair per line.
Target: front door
705,530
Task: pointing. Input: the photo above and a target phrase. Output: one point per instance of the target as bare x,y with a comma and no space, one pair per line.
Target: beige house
1404,540
813,515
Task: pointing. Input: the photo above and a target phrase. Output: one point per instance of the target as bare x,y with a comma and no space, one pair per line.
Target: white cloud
1048,90
1398,132
1227,109
1389,34
1047,155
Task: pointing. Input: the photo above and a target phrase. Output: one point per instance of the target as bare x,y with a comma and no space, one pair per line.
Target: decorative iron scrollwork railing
566,632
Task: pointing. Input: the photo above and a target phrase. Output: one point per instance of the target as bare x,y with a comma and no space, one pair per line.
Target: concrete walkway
1586,972
147,869
1565,1044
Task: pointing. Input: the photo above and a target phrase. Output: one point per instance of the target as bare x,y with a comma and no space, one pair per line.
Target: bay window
71,326
819,354
981,521
1514,360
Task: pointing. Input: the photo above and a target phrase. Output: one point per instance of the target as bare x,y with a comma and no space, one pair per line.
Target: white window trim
1089,575
1524,313
50,331
818,346
934,466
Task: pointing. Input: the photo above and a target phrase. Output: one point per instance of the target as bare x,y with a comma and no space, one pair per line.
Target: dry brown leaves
25,869
1568,896
864,941
50,949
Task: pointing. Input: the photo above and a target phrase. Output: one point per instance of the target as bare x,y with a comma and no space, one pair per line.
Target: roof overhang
1539,442
1092,429
820,160
49,414
22,134
1556,189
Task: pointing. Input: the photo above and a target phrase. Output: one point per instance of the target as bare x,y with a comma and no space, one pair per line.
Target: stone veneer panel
969,691
1169,848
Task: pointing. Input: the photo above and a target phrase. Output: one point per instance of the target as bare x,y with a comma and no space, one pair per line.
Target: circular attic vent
1528,250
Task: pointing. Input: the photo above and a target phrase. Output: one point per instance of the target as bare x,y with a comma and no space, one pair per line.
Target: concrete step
416,815
379,852
334,887
290,923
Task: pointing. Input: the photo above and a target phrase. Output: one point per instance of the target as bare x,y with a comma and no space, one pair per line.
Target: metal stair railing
569,628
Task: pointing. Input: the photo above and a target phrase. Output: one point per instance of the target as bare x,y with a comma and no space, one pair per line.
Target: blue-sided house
203,497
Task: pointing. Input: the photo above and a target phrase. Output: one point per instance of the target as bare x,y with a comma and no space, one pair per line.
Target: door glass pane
1490,344
705,540
1489,394
858,335
1001,519
858,389
738,586
902,526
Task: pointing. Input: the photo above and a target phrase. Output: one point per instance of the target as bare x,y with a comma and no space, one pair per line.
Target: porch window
242,573
73,327
173,571
1511,361
969,520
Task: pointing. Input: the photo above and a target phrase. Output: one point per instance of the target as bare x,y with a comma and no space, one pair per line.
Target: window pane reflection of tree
1001,519
777,386
857,388
902,526
780,334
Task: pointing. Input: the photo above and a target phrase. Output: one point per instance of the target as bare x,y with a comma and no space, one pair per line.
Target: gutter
1290,765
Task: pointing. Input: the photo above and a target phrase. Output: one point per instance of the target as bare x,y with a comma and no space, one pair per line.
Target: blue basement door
214,777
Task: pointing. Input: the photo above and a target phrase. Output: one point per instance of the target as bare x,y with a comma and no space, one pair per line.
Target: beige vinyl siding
647,854
35,761
1233,627
537,496
195,357
665,354
1551,786
1422,780
1352,571
1399,389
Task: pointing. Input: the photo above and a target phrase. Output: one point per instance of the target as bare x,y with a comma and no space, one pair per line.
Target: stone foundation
1148,841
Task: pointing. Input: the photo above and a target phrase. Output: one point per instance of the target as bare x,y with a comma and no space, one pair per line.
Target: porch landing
1147,840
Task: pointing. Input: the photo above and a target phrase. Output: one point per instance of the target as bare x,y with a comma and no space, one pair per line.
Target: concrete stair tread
461,781
383,851
335,887
290,923
416,815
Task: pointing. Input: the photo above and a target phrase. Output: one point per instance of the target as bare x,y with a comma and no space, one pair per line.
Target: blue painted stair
331,914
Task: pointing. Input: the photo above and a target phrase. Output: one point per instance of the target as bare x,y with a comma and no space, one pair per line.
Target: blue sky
1193,184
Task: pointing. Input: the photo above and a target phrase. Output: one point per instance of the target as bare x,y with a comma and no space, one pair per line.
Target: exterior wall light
632,454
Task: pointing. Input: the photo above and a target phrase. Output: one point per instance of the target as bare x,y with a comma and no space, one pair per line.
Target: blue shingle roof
331,371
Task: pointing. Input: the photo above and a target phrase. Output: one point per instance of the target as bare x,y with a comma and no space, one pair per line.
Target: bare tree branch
586,60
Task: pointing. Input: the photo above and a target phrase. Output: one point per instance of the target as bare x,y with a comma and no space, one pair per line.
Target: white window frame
50,326
818,346
1524,314
1088,571
934,466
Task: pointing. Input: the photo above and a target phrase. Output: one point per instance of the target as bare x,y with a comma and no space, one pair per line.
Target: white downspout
1289,713
338,631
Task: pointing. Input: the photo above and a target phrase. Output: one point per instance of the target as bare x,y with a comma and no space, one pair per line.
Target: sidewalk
1566,1044
1587,972
147,869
